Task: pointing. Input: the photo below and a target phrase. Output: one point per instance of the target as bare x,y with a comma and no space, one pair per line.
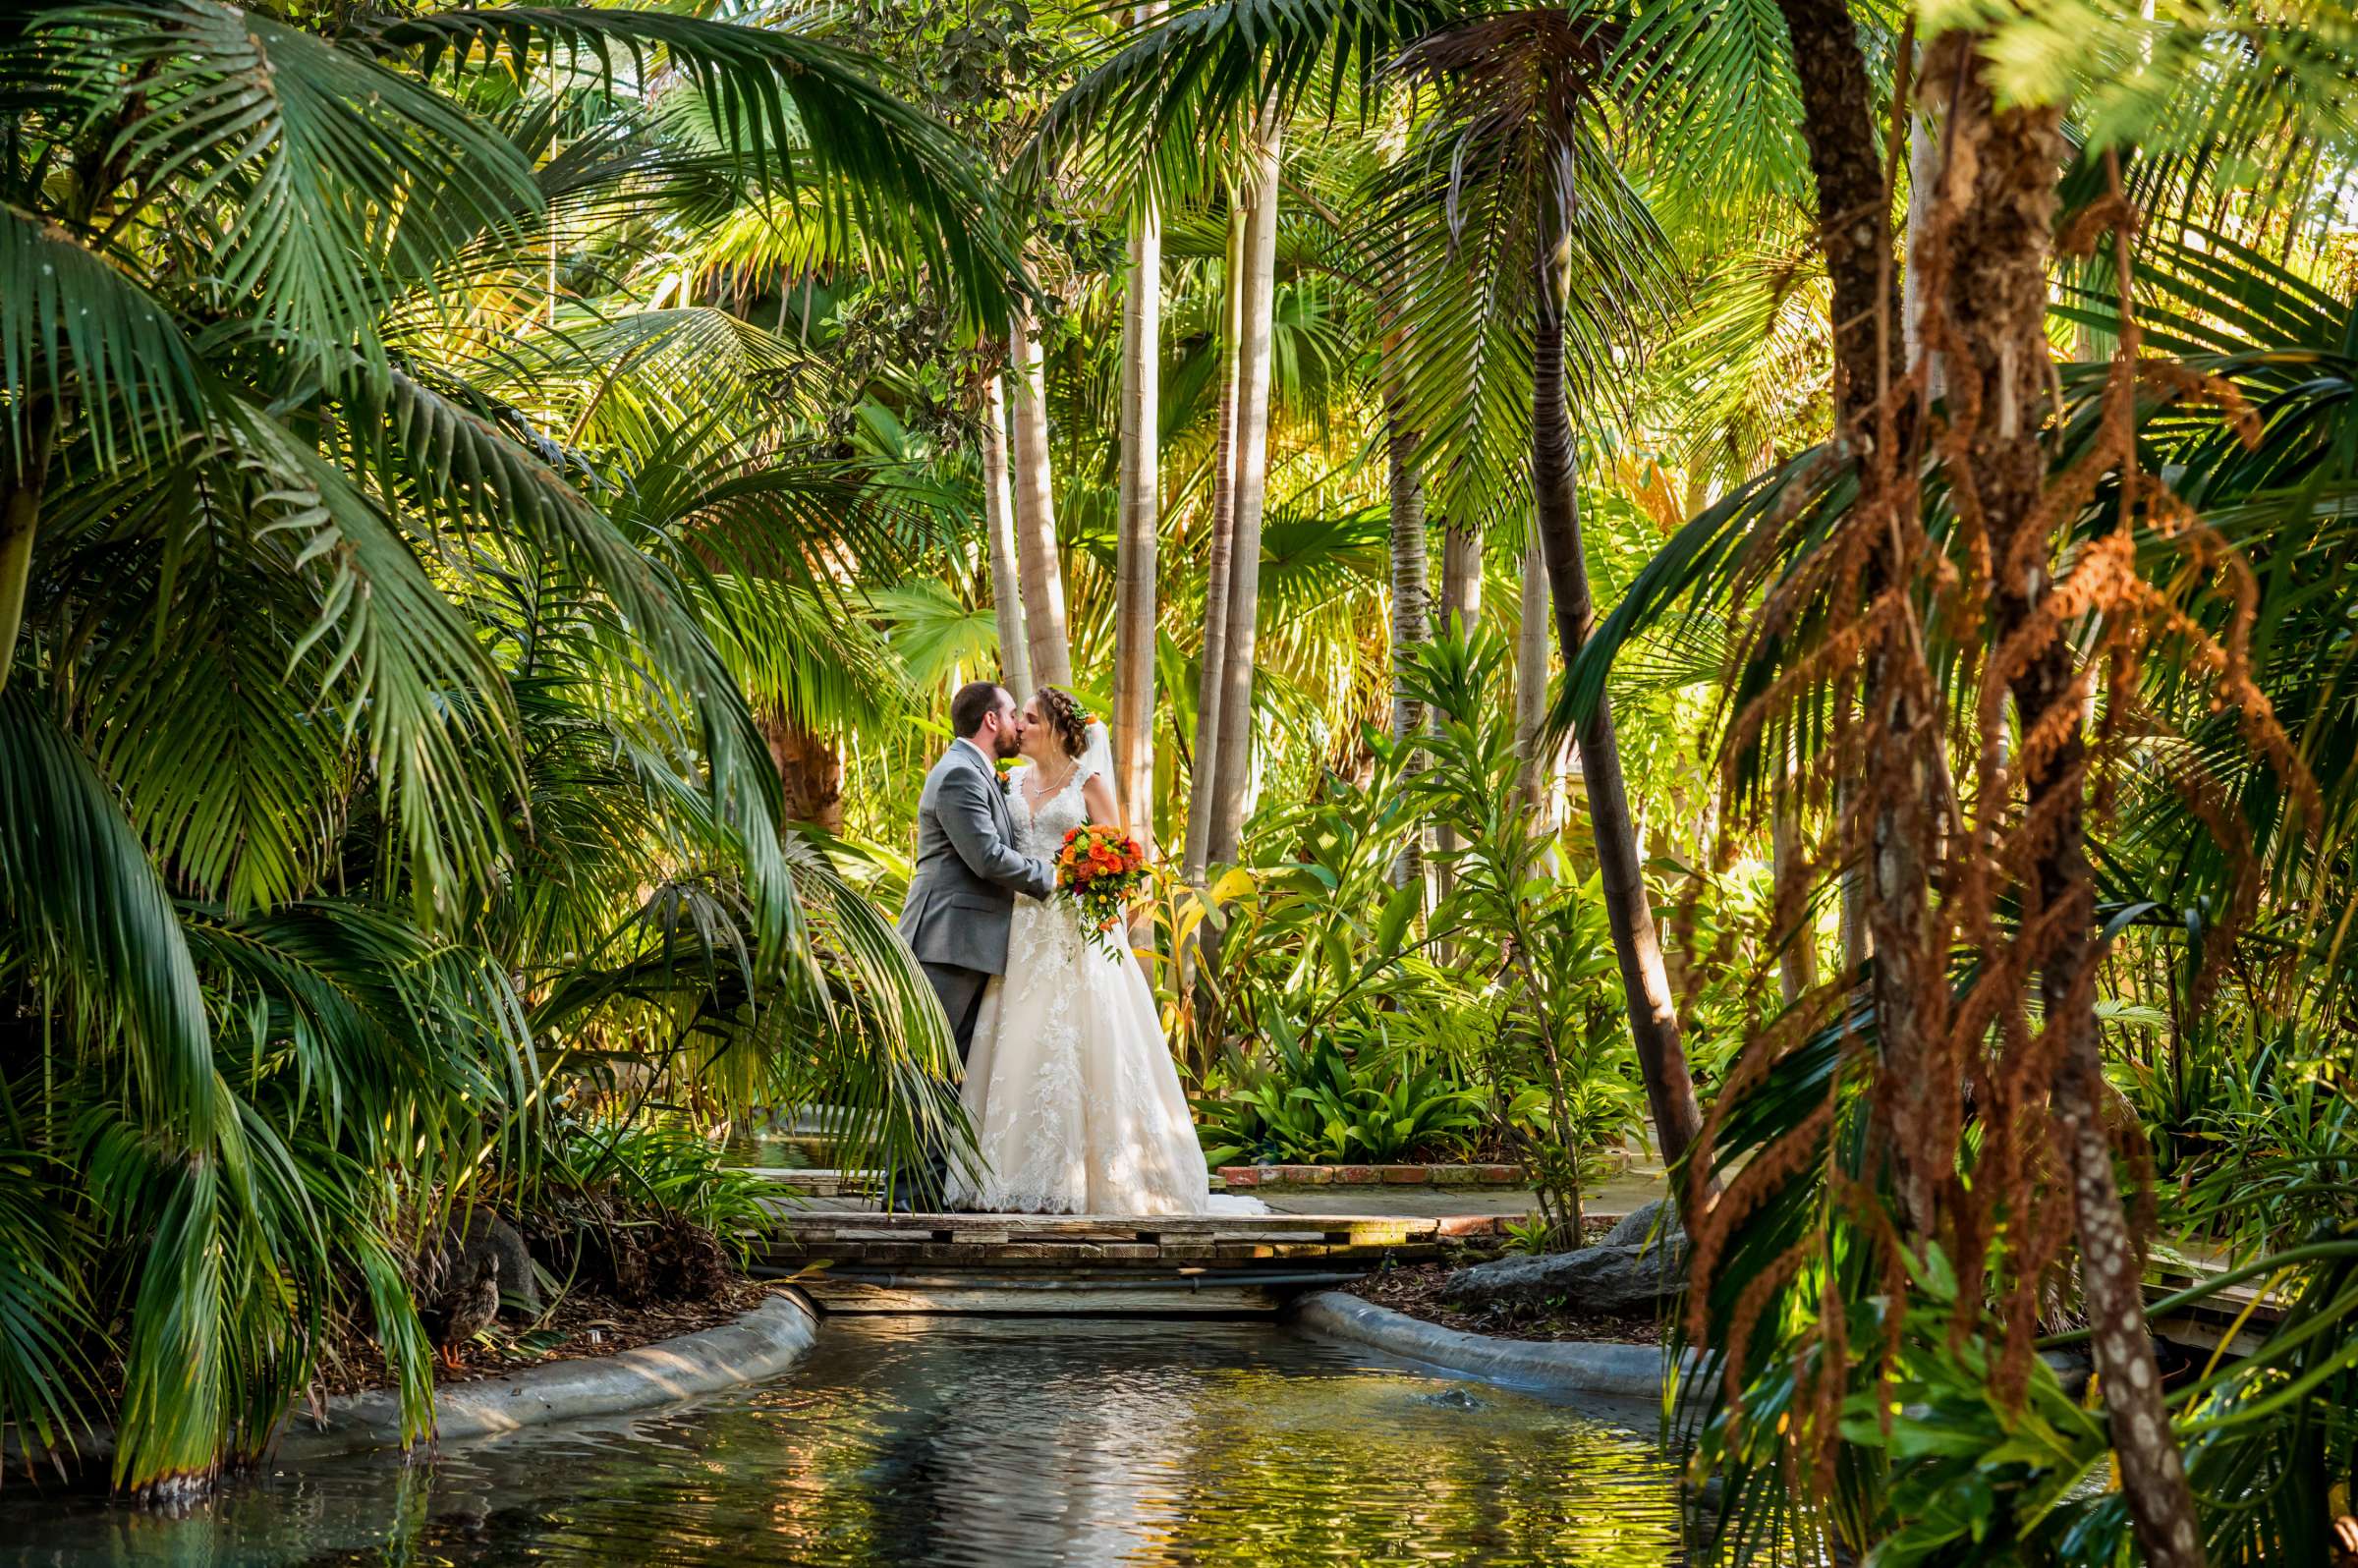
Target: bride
1070,1090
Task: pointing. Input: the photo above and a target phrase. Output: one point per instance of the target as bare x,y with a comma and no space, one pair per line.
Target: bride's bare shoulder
1097,794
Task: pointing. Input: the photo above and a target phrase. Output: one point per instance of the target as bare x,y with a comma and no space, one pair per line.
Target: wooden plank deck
1093,1264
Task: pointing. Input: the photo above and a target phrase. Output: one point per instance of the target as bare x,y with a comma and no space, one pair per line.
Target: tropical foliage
495,501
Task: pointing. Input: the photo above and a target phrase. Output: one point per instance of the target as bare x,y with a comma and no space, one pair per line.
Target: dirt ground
583,1325
1416,1290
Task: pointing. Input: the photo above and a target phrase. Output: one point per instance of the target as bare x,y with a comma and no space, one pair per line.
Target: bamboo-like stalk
1412,612
1137,544
1461,578
1252,486
1458,612
998,518
1213,675
1535,778
1042,573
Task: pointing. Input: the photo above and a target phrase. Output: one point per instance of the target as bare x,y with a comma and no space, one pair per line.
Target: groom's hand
964,811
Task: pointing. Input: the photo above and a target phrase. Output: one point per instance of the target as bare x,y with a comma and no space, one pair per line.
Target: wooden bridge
850,1258
1214,1265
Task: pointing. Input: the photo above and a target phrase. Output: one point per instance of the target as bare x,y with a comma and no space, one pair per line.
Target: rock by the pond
1637,1226
1608,1277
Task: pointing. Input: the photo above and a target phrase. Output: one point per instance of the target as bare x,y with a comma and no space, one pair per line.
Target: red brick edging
1242,1176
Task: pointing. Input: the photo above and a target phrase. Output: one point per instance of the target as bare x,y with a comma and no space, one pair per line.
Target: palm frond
885,170
286,170
85,895
70,320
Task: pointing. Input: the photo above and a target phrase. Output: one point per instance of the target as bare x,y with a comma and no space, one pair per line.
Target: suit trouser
961,993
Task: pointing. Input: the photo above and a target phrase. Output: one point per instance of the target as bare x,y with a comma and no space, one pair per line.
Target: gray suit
962,897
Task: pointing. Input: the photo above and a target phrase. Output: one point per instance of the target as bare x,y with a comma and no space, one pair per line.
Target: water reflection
970,1441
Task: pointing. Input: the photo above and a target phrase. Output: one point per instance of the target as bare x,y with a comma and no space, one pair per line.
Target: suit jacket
962,897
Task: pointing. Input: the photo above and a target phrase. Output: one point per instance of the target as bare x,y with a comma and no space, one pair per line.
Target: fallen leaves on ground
1416,1290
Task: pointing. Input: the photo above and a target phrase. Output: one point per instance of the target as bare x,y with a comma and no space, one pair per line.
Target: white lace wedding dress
1070,1088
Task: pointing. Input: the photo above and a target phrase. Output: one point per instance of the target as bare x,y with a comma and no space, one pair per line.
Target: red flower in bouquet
1101,869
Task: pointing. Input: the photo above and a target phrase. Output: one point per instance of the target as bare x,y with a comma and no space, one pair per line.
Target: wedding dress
1070,1088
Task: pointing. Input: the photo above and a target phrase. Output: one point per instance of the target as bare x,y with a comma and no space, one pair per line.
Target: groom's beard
1009,743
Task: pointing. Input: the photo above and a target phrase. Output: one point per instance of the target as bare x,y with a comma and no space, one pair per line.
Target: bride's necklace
1062,779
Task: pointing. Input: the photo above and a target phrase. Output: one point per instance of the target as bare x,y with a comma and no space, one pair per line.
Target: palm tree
338,696
2017,519
1514,157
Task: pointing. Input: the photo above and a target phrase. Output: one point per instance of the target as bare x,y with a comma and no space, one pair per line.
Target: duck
466,1312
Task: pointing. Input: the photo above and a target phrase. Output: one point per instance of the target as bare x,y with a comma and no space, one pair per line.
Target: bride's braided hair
1062,712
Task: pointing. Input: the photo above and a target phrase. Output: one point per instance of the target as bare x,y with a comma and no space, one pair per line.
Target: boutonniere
1007,766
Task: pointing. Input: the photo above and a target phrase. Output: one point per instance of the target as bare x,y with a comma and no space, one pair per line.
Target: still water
992,1443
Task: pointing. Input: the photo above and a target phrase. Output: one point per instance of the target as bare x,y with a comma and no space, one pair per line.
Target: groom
962,897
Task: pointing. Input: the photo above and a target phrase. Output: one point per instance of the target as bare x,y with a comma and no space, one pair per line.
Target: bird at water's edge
467,1311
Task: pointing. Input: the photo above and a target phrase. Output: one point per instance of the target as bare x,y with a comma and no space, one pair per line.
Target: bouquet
1101,869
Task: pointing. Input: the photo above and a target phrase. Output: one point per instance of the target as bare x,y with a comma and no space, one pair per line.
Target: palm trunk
1797,960
1536,778
810,772
1461,578
1924,176
998,518
19,523
1411,614
1137,544
1460,612
1251,476
1051,653
1994,275
1853,226
1897,786
1645,983
1212,672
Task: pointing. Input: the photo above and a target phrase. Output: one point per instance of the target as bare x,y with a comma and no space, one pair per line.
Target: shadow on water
1000,1443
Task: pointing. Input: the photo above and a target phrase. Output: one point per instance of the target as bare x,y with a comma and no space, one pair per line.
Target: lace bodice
1041,833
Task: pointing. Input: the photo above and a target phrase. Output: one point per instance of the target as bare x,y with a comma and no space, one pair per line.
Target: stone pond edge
1622,1371
757,1344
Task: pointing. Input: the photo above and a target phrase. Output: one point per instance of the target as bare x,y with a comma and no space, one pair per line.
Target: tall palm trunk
1252,479
1536,778
998,518
1645,983
1137,542
1461,576
1411,614
1051,652
1459,613
1213,673
1996,248
1896,785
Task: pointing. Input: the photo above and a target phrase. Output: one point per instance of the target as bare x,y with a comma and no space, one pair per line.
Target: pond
966,1440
